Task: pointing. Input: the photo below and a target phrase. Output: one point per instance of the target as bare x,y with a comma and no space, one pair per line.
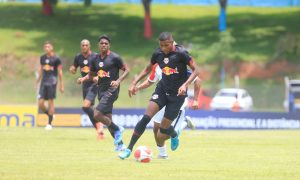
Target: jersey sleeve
58,63
187,58
119,62
154,75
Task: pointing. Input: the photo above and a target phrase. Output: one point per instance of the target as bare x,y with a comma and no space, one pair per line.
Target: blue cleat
118,135
125,154
175,142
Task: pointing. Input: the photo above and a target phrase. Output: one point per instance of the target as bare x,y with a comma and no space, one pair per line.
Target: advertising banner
18,116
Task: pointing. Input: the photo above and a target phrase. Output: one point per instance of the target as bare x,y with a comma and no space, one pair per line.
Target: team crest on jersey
47,61
85,62
155,96
166,60
101,64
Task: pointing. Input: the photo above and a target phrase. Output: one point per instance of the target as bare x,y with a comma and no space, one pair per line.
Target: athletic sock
111,132
50,119
162,151
173,133
90,112
138,130
113,127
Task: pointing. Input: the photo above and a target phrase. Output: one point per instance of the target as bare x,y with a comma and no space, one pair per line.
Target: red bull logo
169,71
47,67
85,69
103,74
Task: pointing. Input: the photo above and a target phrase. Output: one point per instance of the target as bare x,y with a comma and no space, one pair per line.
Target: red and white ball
143,154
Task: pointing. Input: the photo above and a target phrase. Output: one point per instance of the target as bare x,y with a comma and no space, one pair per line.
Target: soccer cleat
118,135
48,127
162,157
120,147
175,142
125,154
189,122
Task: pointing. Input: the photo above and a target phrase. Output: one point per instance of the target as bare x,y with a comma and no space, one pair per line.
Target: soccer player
170,91
89,88
50,68
106,67
181,120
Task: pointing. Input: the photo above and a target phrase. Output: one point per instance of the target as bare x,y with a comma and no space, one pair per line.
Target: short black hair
104,36
165,36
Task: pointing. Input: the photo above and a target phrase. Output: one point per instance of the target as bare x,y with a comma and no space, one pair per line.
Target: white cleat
190,124
48,127
162,157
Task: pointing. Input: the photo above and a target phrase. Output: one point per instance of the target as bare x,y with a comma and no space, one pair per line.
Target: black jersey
174,68
107,69
84,63
49,66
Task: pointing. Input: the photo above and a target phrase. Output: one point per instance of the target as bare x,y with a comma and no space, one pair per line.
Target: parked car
233,99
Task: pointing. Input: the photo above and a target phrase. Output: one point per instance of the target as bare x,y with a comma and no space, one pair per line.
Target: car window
227,94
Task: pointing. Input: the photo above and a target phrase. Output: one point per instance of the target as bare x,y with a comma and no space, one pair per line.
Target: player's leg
105,106
89,92
157,118
140,127
162,150
172,109
120,146
50,111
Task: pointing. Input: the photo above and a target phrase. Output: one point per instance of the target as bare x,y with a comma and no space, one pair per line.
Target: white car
233,99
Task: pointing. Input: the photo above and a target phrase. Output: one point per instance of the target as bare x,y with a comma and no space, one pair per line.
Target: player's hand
182,90
95,79
115,84
72,69
132,90
195,104
80,80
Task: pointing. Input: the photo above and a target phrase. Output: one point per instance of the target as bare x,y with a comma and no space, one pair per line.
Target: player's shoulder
181,49
43,56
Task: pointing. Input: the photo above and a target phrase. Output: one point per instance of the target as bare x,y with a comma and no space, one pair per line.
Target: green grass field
74,153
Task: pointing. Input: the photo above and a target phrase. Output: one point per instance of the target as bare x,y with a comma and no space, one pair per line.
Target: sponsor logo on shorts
155,96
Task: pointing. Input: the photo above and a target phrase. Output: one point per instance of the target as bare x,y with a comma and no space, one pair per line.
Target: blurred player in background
106,67
170,91
89,88
181,120
50,68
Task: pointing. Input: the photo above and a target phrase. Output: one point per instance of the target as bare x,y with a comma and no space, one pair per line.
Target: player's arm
39,76
91,76
193,66
73,67
125,73
144,84
197,84
60,77
132,88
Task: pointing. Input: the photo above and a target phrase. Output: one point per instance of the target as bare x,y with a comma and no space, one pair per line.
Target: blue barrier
205,119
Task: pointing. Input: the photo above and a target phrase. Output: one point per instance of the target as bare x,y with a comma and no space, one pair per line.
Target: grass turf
74,153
